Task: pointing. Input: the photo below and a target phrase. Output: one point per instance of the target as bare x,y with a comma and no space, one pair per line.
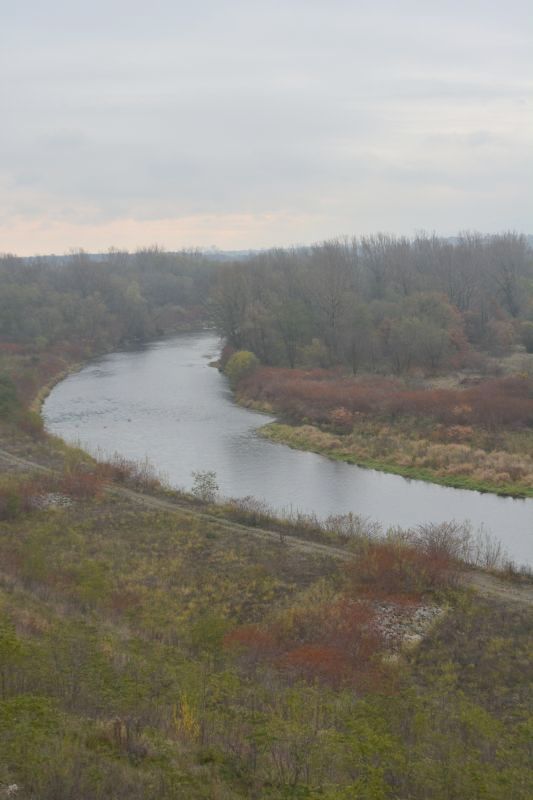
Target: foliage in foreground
155,655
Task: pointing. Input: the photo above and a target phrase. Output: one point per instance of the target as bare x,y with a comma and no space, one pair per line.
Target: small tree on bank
205,486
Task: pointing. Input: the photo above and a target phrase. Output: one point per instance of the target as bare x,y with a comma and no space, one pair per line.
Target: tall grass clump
139,474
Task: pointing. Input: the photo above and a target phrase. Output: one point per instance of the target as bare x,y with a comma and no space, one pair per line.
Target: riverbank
479,438
410,458
456,456
36,371
37,403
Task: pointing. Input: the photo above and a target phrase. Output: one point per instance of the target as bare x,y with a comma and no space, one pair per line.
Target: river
163,402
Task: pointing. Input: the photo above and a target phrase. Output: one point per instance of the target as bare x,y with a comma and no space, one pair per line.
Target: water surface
165,403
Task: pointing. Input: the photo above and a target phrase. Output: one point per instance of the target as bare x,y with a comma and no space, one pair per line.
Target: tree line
101,301
380,303
375,303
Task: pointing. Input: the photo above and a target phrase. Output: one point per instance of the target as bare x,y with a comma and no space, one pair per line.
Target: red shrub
312,661
334,642
351,629
391,568
342,648
327,397
257,644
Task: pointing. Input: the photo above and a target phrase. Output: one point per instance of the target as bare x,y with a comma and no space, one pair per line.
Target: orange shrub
396,568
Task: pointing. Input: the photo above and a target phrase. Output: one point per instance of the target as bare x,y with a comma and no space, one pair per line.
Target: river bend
163,402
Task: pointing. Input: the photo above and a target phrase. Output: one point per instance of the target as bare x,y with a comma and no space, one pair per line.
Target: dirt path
288,540
483,583
489,586
149,501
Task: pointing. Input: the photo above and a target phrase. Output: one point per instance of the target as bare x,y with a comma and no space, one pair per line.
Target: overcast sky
251,124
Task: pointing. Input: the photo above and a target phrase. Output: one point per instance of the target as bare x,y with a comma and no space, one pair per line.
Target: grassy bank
478,438
70,368
459,466
155,653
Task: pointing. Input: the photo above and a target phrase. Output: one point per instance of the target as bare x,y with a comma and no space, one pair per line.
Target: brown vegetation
396,568
337,638
336,642
330,398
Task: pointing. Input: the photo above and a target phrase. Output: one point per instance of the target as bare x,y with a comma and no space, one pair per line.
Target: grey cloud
129,110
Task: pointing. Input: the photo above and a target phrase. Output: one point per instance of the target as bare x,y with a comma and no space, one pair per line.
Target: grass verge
348,449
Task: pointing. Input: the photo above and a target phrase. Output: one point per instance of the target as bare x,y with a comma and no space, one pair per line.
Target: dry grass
379,445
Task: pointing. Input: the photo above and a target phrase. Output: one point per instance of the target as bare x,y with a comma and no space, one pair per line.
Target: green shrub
240,365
